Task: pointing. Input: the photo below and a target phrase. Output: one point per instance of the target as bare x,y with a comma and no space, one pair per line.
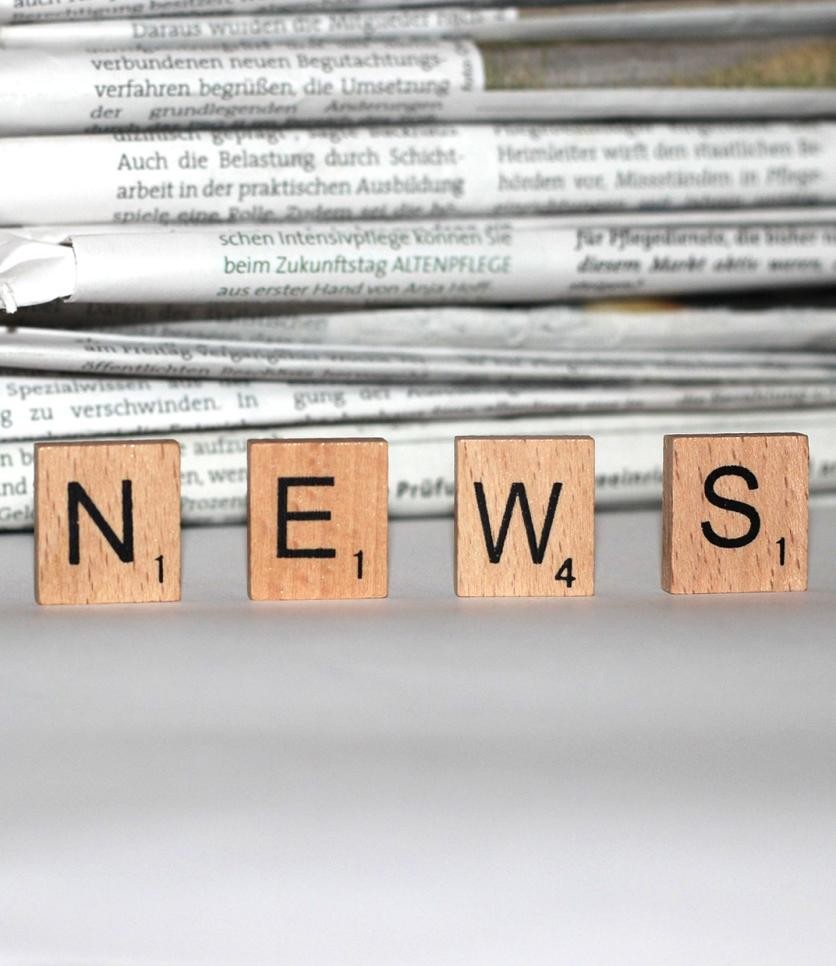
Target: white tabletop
633,778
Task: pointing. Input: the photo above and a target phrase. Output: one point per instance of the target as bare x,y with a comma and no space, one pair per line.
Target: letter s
735,506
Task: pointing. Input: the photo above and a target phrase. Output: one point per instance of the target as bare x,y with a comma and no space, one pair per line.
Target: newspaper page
179,357
628,458
482,23
640,325
418,171
454,262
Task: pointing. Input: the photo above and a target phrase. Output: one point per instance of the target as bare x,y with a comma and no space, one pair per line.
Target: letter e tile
318,519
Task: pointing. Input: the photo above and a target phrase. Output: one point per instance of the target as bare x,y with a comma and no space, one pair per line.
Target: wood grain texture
347,484
492,469
766,475
152,470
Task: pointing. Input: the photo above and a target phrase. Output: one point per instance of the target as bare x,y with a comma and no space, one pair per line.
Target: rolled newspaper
438,262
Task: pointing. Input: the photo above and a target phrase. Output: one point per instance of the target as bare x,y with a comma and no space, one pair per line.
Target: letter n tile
107,522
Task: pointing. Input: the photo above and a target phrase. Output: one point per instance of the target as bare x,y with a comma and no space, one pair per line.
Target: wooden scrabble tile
525,516
107,522
734,513
318,519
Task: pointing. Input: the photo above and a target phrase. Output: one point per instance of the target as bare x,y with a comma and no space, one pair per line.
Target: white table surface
632,778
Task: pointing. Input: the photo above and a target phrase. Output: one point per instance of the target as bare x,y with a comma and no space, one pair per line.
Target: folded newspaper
418,171
743,324
182,356
28,11
36,11
338,82
627,395
488,247
628,457
618,22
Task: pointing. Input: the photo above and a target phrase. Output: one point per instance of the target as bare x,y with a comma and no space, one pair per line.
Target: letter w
538,550
77,496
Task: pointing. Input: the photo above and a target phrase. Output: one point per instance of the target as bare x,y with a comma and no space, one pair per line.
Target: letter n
78,497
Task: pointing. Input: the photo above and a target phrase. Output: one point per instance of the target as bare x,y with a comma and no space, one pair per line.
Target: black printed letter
124,548
538,551
735,506
285,482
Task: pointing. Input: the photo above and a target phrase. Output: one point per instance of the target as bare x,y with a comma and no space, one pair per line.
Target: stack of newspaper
235,219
